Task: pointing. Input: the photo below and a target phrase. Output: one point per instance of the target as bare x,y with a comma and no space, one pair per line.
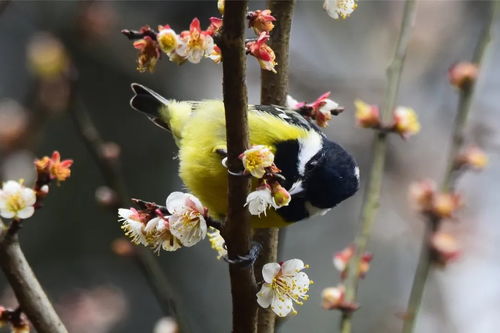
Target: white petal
291,102
188,232
125,213
196,55
281,305
171,244
176,202
26,212
328,106
292,266
265,295
302,282
198,206
151,225
29,196
11,187
269,271
7,214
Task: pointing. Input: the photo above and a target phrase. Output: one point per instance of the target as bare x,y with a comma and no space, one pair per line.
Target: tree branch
449,181
237,230
29,293
371,202
274,88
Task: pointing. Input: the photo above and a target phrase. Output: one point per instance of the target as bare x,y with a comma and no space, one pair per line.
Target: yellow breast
200,166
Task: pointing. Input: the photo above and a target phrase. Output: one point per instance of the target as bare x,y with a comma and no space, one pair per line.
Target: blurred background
69,241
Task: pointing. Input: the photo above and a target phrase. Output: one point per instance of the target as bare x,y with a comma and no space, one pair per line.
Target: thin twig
274,88
449,180
112,176
29,293
371,202
237,230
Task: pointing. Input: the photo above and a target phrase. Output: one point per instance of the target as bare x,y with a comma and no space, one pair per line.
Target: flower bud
406,122
474,158
220,6
444,205
462,74
422,193
367,116
333,297
110,151
122,248
280,195
13,122
445,246
106,196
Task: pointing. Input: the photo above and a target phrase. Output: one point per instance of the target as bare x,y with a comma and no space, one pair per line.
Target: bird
317,172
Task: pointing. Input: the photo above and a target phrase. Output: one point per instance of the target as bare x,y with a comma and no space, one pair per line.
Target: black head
330,176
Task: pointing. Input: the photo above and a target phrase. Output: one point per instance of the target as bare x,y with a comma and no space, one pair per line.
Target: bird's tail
167,114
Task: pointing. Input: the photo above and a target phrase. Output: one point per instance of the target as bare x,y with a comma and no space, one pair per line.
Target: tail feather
148,102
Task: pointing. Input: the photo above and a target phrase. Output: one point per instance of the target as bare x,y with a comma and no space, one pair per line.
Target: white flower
187,221
133,225
328,106
339,8
260,200
257,159
217,242
195,43
284,284
158,235
16,201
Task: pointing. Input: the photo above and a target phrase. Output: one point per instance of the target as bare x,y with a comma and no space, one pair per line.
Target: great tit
318,173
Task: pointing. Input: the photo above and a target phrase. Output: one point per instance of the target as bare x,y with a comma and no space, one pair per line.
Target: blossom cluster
258,161
321,110
182,222
284,284
18,201
195,44
404,119
333,298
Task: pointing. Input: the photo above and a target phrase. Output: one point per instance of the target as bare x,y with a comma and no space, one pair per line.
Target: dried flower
339,8
187,222
16,200
53,167
473,157
333,297
149,53
367,116
262,52
257,159
215,25
322,109
167,39
445,246
261,21
195,43
217,242
462,74
284,284
406,122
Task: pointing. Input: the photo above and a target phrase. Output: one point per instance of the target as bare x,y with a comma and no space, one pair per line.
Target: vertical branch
146,261
449,179
274,88
371,202
237,230
32,299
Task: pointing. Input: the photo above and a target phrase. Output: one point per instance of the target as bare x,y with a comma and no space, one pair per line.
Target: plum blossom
339,8
16,200
284,284
257,159
195,43
260,200
406,122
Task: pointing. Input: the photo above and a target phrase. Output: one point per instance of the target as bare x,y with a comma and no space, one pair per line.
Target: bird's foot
248,259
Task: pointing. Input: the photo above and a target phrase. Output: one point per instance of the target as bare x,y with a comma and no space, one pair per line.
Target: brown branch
237,230
110,170
274,88
32,299
450,177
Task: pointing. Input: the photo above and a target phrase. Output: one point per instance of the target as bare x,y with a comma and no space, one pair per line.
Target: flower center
15,203
286,287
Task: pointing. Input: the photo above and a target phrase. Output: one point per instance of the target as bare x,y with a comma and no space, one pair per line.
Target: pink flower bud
445,246
462,74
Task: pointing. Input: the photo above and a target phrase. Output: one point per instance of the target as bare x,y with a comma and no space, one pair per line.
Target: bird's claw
248,259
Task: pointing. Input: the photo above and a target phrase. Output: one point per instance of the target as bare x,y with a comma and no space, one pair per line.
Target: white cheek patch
315,210
309,146
356,172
